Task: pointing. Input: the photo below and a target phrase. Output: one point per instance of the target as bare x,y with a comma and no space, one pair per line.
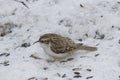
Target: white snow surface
96,22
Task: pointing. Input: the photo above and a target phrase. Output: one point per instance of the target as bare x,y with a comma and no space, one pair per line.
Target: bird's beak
35,42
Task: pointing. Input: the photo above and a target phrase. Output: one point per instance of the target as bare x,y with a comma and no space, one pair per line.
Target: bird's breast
48,51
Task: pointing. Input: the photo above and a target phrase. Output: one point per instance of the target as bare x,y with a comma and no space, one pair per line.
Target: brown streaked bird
60,47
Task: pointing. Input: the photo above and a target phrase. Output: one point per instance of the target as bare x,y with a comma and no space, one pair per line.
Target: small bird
60,47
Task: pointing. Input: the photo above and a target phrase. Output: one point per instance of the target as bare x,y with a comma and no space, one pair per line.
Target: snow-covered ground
91,22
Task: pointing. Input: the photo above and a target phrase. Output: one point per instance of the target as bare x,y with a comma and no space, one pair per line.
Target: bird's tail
88,48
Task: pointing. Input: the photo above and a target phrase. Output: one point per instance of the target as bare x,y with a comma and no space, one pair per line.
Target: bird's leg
51,60
60,60
57,60
65,60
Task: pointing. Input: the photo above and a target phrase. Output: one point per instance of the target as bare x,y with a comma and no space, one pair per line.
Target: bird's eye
44,41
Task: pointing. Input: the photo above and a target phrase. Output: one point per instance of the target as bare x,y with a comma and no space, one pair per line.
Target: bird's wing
61,45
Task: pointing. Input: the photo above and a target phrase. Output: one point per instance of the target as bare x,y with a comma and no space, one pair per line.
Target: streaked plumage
58,46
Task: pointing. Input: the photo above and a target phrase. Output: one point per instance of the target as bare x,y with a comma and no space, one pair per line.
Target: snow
95,22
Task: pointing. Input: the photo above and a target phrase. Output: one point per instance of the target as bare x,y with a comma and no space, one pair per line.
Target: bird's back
60,44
